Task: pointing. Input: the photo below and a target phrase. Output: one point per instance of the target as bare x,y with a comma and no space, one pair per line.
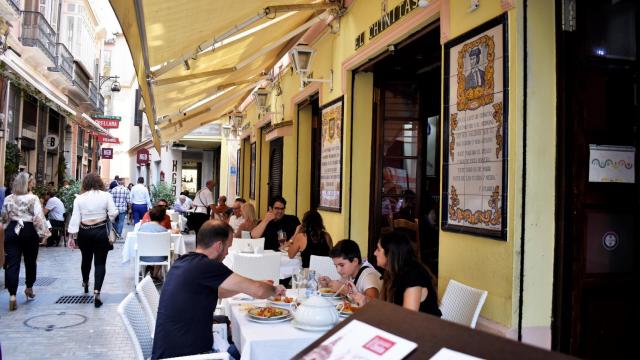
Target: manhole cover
50,322
75,299
41,281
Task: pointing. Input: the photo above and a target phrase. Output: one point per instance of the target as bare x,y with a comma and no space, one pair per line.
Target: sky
105,14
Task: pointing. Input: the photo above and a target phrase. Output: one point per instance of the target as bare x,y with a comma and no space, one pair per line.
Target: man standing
120,195
275,224
140,200
114,183
236,219
54,211
204,206
191,290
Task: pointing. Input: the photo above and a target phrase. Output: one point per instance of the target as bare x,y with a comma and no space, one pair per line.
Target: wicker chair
462,303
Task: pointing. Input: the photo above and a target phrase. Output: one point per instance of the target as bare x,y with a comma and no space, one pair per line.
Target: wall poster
475,131
331,156
252,173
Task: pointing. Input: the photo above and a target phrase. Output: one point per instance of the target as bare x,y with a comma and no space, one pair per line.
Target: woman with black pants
25,230
88,225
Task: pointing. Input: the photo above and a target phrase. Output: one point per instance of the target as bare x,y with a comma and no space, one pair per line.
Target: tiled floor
41,329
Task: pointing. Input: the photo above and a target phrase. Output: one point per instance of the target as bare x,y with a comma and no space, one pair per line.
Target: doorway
597,252
405,155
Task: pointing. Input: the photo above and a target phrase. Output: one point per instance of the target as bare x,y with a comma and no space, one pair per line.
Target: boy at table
348,261
275,221
191,290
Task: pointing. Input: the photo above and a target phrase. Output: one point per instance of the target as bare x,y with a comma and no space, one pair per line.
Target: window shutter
137,120
275,168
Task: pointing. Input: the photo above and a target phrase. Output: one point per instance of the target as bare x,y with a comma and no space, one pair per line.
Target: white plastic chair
174,216
136,227
137,327
152,244
323,265
245,234
240,244
150,299
462,303
258,267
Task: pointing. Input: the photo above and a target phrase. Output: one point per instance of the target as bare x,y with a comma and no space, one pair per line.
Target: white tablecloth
129,248
265,341
288,267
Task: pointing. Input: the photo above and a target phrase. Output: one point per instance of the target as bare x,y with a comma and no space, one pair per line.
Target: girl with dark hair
89,224
406,281
310,238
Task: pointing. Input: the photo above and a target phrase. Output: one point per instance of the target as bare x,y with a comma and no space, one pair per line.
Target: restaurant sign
107,121
106,153
142,157
388,18
108,140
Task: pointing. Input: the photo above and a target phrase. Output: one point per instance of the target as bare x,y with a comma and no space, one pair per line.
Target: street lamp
302,55
261,95
115,85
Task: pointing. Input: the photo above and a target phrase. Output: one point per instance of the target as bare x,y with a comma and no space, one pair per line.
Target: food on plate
349,308
268,312
283,299
327,291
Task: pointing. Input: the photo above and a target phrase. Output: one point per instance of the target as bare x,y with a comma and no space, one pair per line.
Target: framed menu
252,173
331,156
475,131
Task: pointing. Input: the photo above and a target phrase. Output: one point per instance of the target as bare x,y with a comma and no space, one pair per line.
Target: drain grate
41,281
75,299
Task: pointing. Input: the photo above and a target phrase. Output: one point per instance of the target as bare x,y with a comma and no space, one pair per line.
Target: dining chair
174,217
323,266
137,327
241,244
150,299
152,249
258,267
462,303
136,227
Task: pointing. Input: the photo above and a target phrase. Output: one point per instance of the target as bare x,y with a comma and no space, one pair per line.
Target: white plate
270,321
310,327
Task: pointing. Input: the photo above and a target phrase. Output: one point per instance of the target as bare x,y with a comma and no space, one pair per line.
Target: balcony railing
81,87
64,61
15,4
100,106
36,32
93,93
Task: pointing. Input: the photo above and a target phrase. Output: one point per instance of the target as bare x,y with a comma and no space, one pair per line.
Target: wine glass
282,238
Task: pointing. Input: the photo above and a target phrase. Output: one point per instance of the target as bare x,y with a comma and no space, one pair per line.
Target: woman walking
89,225
25,229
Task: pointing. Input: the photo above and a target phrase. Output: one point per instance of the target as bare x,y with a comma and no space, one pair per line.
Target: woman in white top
89,225
25,228
361,277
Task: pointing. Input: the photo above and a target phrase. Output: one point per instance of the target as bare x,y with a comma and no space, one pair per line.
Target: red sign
107,121
142,157
107,153
105,139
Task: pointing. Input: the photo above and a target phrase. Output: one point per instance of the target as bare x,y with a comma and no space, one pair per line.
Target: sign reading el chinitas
107,121
475,127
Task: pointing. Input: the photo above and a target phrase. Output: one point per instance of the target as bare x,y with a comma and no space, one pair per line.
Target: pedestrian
54,211
120,195
140,200
204,205
190,294
25,228
114,183
89,225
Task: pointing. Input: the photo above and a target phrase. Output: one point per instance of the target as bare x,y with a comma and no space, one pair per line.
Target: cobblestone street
41,329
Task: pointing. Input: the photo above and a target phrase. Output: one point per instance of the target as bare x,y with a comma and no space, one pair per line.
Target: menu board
476,96
331,156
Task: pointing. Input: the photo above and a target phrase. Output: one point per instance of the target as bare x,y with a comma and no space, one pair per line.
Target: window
30,113
13,117
80,137
275,168
106,58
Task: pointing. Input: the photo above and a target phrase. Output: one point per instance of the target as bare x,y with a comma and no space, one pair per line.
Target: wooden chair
413,227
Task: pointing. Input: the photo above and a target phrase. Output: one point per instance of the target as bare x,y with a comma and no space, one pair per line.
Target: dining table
178,245
257,341
288,266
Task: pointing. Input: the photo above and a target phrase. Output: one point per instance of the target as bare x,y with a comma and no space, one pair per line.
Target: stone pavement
42,329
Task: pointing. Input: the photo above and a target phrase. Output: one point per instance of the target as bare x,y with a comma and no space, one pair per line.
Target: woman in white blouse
24,221
89,225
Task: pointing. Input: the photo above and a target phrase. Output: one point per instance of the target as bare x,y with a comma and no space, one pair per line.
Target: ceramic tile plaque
331,156
475,128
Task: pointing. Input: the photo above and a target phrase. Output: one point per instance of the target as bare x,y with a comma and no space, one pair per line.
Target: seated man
274,223
54,211
183,204
191,291
236,218
166,221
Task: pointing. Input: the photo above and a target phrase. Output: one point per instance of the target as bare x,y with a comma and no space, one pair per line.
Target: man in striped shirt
120,195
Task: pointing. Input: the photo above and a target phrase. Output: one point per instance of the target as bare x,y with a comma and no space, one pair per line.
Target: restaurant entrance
597,262
406,141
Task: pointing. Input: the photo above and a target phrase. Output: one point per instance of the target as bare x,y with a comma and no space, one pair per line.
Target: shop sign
106,153
108,140
608,163
51,142
389,18
107,121
474,188
331,157
174,175
142,157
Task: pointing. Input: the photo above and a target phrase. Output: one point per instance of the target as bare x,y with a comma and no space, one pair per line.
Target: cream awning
195,59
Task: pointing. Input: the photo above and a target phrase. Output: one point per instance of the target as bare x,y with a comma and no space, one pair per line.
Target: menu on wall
475,127
331,157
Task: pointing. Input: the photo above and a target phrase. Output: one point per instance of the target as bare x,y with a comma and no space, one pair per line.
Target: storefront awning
186,52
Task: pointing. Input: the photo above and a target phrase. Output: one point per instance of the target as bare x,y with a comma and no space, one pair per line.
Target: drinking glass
282,238
297,279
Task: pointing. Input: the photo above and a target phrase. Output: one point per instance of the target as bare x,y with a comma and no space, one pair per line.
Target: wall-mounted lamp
115,85
226,130
260,95
235,119
302,55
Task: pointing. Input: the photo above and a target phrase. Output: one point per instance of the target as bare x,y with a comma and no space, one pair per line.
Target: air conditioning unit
178,146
